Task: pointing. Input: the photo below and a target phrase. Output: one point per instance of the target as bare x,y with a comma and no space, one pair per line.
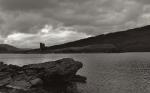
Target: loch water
105,72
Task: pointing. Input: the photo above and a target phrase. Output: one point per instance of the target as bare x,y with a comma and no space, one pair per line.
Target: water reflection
63,88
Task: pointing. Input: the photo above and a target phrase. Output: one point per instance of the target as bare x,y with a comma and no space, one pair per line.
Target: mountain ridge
6,48
132,40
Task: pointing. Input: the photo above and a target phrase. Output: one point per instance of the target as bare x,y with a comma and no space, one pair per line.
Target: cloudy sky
26,23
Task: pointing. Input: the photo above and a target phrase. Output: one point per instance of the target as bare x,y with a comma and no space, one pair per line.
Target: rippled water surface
106,73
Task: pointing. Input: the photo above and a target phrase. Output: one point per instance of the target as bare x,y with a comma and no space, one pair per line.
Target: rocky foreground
49,77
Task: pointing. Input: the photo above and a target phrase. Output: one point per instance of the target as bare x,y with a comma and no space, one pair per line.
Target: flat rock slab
27,76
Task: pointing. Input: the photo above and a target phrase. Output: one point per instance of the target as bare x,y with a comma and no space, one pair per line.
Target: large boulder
51,73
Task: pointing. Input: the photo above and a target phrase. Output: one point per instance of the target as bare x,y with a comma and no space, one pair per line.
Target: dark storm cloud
144,1
24,4
96,13
23,22
78,12
30,23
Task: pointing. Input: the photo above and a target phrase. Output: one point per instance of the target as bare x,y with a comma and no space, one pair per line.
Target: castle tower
42,46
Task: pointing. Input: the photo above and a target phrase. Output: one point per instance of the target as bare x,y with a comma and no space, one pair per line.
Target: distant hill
132,40
5,48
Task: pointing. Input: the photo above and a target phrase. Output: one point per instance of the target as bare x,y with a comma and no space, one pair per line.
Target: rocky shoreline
50,77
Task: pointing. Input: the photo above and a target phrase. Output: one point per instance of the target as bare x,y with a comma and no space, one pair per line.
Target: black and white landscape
74,46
